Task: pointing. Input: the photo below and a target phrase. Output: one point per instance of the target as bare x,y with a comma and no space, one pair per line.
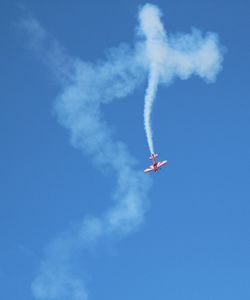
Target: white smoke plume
155,45
85,88
166,58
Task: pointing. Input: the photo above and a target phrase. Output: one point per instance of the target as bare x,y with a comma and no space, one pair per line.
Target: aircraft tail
153,156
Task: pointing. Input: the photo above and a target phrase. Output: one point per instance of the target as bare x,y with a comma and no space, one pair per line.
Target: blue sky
194,240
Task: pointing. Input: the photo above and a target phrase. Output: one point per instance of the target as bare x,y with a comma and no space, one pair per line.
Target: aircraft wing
151,168
161,163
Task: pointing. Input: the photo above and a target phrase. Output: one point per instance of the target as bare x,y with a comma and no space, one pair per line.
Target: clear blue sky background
195,243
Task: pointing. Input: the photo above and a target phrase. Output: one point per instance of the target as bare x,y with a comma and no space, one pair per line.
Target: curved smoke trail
85,88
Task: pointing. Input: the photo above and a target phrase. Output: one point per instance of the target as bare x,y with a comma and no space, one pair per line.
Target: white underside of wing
161,163
151,168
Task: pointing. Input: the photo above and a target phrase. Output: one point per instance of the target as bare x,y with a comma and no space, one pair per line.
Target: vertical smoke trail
155,51
149,99
169,57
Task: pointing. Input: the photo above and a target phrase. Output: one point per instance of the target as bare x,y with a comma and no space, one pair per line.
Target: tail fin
153,156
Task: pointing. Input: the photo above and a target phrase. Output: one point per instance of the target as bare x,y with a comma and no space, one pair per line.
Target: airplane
156,165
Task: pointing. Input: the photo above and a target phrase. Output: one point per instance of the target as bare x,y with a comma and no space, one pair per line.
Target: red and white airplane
156,165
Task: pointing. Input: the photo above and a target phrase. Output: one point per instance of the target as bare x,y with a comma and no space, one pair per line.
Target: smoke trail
152,28
167,58
149,99
85,88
